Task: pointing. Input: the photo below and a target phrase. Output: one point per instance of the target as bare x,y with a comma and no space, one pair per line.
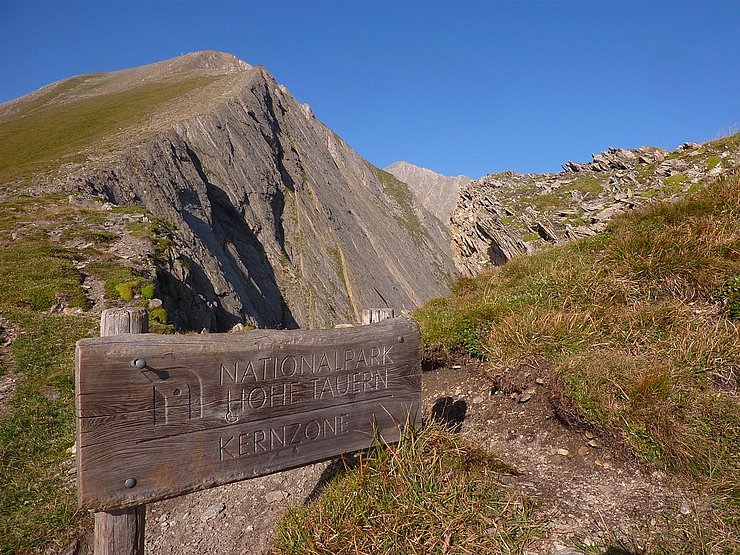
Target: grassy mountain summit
81,118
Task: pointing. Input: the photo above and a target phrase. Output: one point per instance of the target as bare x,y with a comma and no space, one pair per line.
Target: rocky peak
273,220
507,214
618,159
436,192
209,59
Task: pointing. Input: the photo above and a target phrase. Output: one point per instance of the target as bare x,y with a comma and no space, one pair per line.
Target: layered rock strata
503,215
274,220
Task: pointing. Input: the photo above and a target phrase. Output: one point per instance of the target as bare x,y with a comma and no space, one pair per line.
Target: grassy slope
47,134
37,498
640,326
37,504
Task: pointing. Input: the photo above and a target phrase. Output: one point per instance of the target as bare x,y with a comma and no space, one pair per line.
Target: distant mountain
437,193
271,218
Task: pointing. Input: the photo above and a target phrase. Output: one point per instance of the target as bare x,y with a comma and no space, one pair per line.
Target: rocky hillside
436,192
268,218
503,215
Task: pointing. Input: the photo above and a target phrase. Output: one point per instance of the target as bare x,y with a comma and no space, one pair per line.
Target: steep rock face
276,221
436,192
504,215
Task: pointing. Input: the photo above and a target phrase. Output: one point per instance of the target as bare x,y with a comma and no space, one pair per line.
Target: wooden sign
159,416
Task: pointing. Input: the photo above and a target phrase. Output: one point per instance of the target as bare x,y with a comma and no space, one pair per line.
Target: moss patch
159,321
674,180
585,184
713,162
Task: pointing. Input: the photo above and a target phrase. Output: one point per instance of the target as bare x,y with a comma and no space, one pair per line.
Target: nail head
140,363
131,482
400,338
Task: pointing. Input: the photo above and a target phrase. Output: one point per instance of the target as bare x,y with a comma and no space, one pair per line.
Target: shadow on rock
449,412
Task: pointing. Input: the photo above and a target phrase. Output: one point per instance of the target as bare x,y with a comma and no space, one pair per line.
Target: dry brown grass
639,329
431,493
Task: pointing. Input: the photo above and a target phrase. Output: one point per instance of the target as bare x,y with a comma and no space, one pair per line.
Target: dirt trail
586,491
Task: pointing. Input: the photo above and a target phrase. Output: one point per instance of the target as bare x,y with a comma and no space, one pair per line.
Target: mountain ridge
504,215
276,221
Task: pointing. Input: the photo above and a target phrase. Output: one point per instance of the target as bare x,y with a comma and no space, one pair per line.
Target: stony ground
588,491
8,378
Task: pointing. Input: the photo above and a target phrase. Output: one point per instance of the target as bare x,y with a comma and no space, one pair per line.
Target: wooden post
373,315
121,531
116,321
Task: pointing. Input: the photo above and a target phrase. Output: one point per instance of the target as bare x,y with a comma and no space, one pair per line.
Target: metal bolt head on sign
200,411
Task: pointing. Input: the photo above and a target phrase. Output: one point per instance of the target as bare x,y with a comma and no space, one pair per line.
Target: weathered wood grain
120,531
211,409
115,321
373,315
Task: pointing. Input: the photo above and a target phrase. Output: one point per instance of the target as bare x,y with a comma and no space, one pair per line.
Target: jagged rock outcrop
504,215
275,221
436,192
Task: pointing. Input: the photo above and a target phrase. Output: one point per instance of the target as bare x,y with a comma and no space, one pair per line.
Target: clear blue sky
459,87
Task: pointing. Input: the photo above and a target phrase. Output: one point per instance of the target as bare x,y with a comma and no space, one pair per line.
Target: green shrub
121,282
147,291
125,290
159,321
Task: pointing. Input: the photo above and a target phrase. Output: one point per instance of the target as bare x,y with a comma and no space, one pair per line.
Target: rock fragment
276,495
213,511
504,215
